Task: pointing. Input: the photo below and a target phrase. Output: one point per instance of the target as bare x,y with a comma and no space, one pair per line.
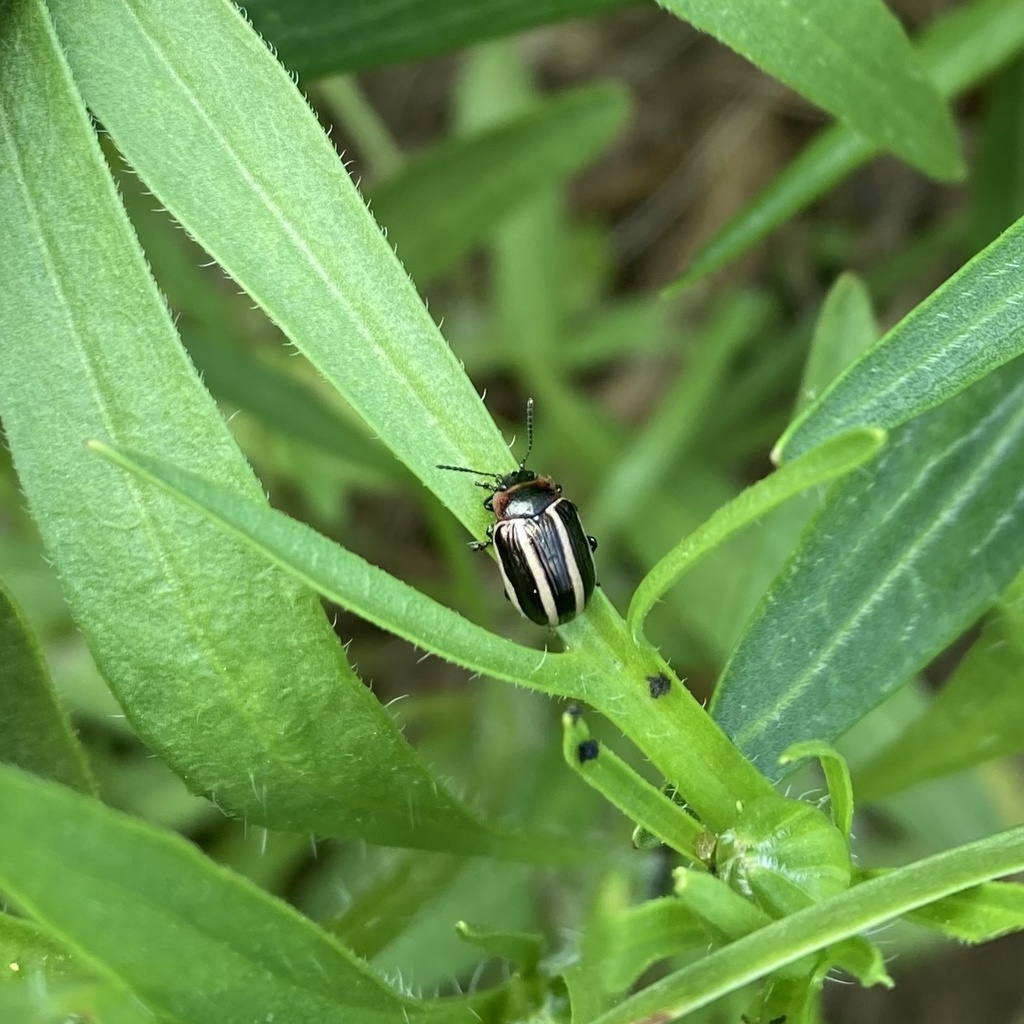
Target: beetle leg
479,545
592,541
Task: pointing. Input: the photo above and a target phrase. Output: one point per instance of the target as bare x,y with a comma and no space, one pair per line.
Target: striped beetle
546,559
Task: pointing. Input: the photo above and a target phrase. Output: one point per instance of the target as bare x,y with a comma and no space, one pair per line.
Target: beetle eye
489,504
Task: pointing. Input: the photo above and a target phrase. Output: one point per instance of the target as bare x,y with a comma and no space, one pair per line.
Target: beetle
546,559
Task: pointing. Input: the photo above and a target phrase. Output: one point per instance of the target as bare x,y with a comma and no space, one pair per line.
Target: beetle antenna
477,472
529,431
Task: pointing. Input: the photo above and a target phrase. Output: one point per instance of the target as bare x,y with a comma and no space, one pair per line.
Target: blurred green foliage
220,802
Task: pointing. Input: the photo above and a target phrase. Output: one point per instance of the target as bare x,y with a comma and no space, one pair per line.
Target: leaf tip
99,447
688,276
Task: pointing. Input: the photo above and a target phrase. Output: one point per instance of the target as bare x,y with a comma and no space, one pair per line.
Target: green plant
889,528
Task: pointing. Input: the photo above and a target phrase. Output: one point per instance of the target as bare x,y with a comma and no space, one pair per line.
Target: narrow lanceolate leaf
315,37
841,455
230,671
120,890
651,808
959,50
837,779
906,554
848,56
830,921
971,325
523,950
845,330
439,205
977,715
343,577
256,181
998,181
979,914
35,733
239,378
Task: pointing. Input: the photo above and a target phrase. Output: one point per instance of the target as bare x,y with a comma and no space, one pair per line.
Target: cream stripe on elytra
510,591
522,529
569,556
537,571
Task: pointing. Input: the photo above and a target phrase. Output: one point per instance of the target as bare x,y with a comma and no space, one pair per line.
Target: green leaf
828,922
72,1003
632,794
645,934
833,459
429,950
260,186
862,960
998,181
976,915
848,56
977,715
35,733
221,352
285,404
355,584
963,331
906,554
123,889
522,950
663,441
404,916
317,36
724,913
979,914
837,778
958,51
621,330
27,950
445,201
229,671
845,330
619,942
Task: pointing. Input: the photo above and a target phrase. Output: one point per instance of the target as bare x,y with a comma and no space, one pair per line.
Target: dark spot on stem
659,685
588,751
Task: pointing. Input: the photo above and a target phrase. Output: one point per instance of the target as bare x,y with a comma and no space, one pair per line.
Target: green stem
619,679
